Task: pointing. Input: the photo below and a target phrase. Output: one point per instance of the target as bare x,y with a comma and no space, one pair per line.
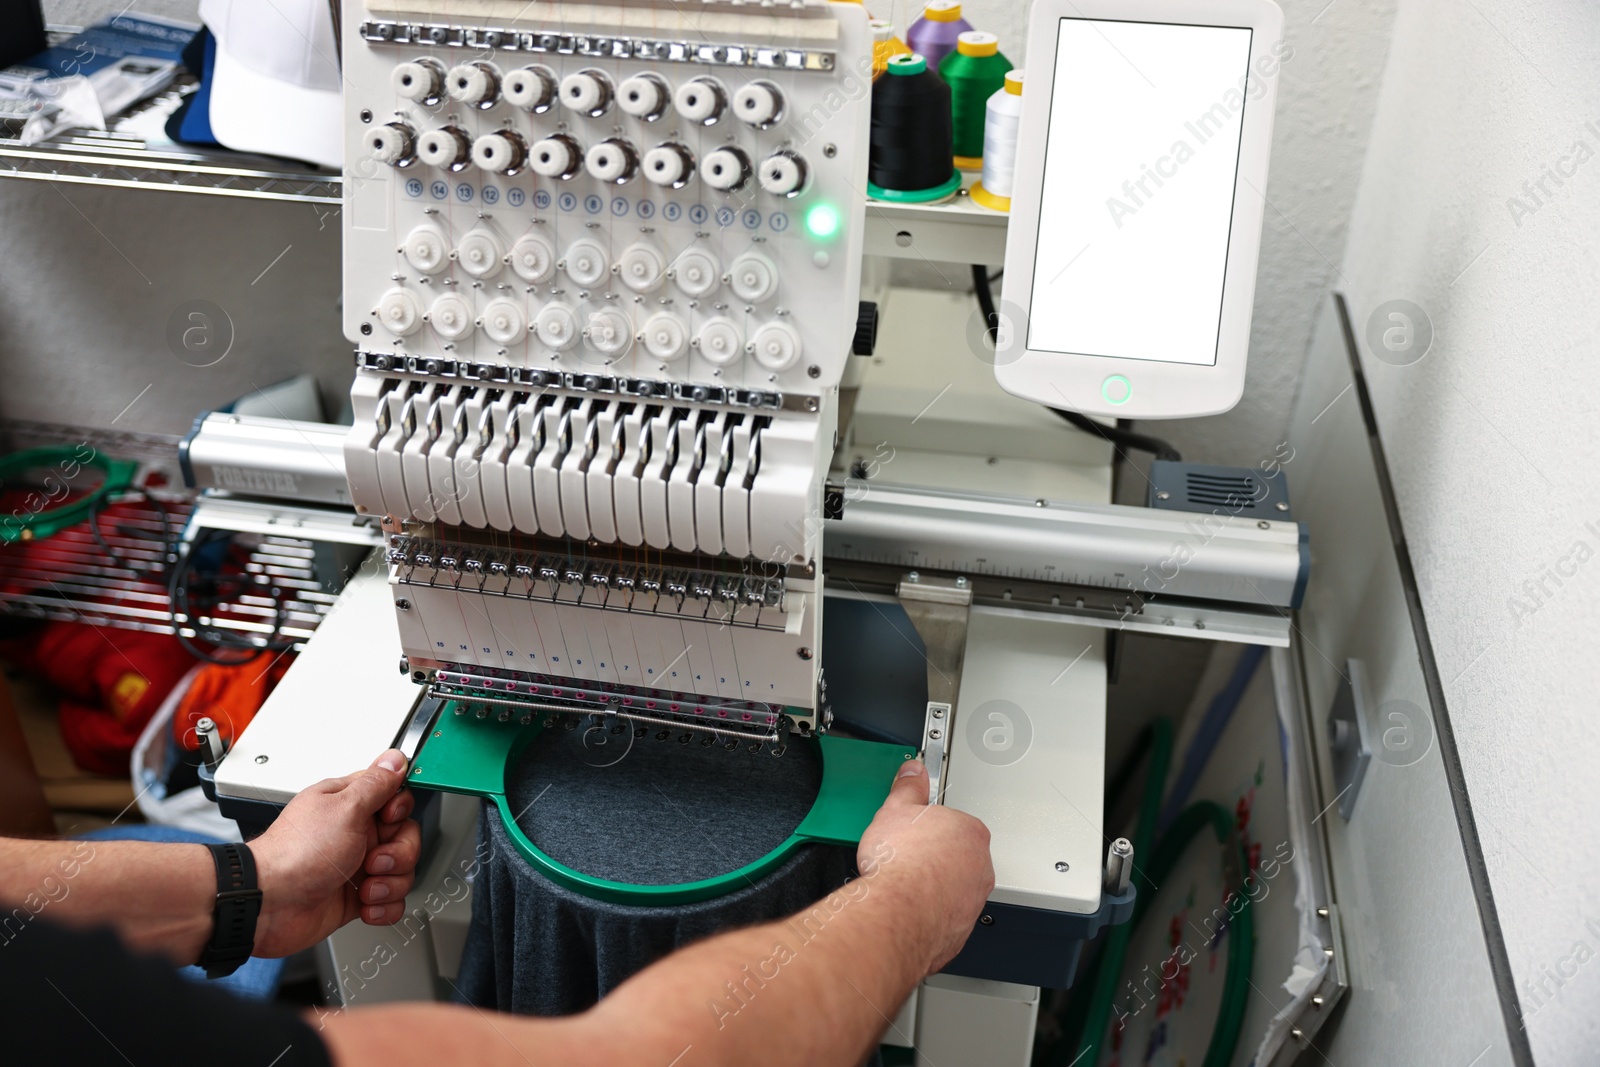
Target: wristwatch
233,934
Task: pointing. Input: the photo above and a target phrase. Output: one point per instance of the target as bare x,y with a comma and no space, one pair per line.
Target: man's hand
851,959
342,848
938,853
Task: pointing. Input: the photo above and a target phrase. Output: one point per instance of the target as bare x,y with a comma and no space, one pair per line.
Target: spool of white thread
1002,122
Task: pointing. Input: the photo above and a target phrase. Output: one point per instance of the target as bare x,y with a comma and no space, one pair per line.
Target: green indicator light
822,221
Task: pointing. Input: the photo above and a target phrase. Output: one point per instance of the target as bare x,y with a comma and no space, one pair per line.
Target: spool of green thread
975,71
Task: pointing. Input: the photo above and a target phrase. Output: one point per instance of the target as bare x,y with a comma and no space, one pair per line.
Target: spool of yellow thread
884,45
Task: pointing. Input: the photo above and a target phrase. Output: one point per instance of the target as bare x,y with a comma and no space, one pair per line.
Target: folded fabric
111,682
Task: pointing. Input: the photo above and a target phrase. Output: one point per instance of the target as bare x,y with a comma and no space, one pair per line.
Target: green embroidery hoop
465,754
117,475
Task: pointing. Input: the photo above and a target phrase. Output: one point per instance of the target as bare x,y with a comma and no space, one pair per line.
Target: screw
961,583
366,116
1298,1034
366,329
987,920
1163,495
913,577
1119,867
813,371
935,734
1281,506
1041,503
804,652
405,665
1317,1001
938,713
403,604
1322,913
830,150
261,759
1063,866
1264,524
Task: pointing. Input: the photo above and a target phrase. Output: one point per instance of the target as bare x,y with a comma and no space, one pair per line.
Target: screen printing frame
1135,387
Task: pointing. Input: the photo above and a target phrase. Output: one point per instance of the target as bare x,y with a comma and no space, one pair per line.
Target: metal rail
609,711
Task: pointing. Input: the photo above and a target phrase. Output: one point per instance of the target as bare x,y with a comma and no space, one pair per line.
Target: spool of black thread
912,136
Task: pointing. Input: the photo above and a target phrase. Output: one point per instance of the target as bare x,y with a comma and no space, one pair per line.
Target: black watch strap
233,934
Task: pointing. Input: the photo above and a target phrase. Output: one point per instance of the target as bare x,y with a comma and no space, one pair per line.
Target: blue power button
1116,389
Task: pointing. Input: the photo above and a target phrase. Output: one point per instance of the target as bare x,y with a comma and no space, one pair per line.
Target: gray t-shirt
644,811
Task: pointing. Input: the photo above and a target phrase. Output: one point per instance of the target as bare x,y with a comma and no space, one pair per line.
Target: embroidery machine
620,417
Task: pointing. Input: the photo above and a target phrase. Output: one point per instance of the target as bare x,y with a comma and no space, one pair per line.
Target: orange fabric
228,695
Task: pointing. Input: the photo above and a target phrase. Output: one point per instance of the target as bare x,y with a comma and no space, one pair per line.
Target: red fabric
111,683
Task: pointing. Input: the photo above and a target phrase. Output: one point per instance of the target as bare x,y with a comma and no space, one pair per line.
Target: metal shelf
956,230
123,159
70,577
121,584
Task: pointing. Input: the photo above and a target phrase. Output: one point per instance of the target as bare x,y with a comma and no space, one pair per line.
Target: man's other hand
342,848
938,853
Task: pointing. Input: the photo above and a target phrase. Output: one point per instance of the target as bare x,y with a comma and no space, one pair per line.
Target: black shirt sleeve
82,998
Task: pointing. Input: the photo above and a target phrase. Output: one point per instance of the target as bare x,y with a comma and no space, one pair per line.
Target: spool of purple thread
933,36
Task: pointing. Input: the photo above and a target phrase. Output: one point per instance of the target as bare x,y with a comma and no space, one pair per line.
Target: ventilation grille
1247,492
1231,491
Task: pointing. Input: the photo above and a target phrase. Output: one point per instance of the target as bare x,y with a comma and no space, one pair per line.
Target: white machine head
1136,216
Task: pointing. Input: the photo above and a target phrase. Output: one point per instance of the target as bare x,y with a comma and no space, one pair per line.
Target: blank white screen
1140,161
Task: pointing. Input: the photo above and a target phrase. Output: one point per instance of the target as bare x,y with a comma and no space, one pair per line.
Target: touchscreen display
1141,157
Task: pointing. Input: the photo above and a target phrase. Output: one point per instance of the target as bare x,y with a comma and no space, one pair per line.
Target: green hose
1108,968
1241,930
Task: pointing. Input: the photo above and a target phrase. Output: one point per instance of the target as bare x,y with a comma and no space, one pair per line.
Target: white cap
275,85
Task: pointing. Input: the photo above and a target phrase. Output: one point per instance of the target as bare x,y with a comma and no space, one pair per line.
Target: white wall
1326,96
1493,437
